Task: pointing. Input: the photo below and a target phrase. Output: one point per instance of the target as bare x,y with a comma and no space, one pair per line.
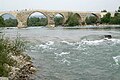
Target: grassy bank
8,48
13,60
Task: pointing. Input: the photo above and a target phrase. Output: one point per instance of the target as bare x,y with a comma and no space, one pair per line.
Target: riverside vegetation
8,22
14,64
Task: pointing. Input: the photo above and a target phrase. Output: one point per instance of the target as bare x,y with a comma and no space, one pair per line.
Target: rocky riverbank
15,64
23,70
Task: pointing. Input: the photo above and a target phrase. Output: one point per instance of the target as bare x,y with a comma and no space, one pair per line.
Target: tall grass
8,48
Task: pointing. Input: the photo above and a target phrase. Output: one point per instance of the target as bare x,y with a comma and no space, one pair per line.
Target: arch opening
37,19
59,19
74,20
9,20
91,19
78,17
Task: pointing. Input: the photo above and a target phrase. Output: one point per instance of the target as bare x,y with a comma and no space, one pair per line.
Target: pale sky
69,5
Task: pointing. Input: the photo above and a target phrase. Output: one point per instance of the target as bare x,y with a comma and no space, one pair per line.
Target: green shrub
8,47
73,20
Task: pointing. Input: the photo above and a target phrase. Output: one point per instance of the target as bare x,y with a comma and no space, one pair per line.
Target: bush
10,22
91,20
1,22
58,21
7,48
106,18
34,21
73,20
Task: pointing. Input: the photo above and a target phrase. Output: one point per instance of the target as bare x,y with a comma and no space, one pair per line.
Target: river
71,54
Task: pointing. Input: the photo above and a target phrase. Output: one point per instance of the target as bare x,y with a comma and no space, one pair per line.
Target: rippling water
77,54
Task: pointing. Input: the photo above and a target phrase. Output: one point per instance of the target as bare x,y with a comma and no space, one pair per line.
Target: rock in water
108,36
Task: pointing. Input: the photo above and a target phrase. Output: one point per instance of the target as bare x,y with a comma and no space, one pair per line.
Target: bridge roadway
23,15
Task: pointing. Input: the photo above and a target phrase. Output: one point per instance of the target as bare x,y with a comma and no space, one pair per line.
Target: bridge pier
22,20
51,25
21,25
51,22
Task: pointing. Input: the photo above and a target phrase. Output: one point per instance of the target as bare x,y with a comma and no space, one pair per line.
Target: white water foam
117,59
42,46
61,54
61,59
98,42
116,41
46,45
66,42
66,61
50,43
95,42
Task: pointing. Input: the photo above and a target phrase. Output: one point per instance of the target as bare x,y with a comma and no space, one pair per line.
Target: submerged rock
108,36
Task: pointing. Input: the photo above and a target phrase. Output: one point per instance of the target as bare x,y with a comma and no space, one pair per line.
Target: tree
91,20
1,22
119,9
10,22
73,20
116,14
58,21
106,18
115,19
104,11
34,21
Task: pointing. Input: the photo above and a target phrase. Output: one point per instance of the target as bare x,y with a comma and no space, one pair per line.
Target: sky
68,5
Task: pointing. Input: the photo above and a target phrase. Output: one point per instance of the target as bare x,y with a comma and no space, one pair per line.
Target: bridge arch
92,18
40,17
98,16
78,17
59,19
10,20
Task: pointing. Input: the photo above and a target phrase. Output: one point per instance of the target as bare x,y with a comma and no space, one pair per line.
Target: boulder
108,36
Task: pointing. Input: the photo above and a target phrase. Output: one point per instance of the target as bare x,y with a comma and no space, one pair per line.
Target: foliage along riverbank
14,64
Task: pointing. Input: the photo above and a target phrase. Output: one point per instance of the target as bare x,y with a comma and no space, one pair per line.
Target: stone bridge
23,15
